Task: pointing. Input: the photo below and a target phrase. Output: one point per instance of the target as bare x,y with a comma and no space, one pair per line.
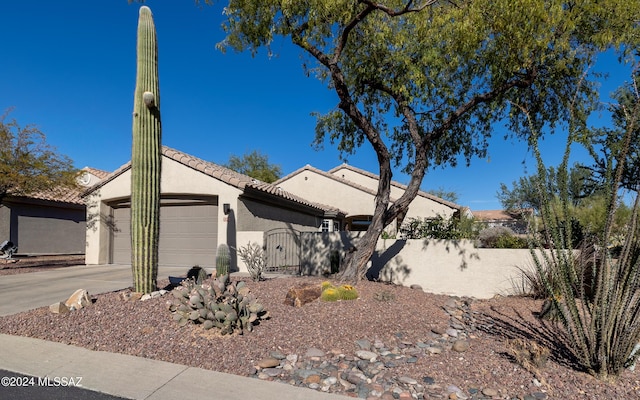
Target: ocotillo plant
145,159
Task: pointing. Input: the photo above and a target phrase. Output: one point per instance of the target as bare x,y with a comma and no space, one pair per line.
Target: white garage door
188,233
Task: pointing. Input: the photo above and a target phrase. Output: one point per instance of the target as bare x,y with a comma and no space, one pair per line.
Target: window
325,225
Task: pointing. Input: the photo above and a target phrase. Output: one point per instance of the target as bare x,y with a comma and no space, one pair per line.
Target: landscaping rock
297,297
79,299
130,296
268,362
59,308
461,346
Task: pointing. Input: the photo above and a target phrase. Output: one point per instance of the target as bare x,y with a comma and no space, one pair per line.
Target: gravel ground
26,264
146,329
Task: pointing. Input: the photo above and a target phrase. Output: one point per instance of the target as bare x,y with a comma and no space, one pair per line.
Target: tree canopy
445,194
423,82
606,144
28,164
526,191
255,165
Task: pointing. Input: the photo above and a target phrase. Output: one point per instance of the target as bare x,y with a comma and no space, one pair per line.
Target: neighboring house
514,220
48,222
202,206
353,190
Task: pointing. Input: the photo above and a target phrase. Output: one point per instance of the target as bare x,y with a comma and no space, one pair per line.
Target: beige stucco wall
420,207
176,179
442,267
320,189
355,177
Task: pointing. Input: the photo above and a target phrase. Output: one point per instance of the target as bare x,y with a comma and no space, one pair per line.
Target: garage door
188,233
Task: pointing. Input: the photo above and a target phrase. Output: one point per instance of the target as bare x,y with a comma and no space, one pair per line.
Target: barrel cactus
332,293
347,292
222,304
223,259
145,159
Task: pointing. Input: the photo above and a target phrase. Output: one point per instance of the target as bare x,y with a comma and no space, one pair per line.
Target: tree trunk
355,268
356,264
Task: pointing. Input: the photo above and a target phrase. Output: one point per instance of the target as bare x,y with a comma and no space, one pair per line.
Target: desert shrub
440,228
490,237
255,259
511,242
384,296
529,354
530,282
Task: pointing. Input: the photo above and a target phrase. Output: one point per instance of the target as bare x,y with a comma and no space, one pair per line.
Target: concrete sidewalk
138,378
116,374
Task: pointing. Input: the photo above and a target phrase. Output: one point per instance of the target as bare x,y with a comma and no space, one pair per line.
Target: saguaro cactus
145,159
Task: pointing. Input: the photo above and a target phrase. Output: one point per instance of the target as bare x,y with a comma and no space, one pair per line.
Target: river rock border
368,373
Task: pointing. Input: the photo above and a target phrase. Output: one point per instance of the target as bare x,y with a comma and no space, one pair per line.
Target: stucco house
353,190
516,220
202,205
48,222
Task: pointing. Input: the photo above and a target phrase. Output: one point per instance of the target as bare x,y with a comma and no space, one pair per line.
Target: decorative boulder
130,296
59,308
79,299
297,297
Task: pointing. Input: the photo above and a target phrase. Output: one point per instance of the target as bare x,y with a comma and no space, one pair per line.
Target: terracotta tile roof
66,195
59,195
498,215
97,172
222,174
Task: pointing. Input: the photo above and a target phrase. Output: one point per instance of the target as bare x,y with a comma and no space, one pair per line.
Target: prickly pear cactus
145,159
223,259
221,304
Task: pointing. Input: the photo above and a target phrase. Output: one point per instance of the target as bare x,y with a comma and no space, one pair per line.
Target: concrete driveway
23,292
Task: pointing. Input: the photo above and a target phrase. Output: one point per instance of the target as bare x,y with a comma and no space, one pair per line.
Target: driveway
23,292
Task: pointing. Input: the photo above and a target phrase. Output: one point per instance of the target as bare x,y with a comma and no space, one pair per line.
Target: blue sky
69,68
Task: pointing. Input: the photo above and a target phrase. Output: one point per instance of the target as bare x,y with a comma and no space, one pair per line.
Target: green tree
28,164
605,144
424,81
255,165
445,194
525,192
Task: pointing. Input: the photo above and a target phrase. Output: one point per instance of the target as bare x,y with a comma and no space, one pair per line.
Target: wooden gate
282,248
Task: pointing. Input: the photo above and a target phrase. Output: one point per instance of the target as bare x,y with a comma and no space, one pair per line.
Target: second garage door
188,232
